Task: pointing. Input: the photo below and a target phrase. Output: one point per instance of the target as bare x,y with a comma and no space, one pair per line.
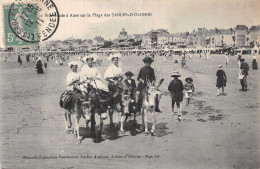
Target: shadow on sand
111,132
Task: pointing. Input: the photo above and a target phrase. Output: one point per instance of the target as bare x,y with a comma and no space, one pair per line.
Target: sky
173,15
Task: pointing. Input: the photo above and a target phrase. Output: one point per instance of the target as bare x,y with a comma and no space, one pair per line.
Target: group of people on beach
243,69
90,75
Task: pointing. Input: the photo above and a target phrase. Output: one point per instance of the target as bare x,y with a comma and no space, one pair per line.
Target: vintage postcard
108,84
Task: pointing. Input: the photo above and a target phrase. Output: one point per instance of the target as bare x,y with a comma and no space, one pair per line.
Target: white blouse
71,77
89,72
113,71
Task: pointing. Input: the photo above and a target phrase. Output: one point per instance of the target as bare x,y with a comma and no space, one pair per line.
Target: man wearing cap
244,69
130,83
146,75
130,89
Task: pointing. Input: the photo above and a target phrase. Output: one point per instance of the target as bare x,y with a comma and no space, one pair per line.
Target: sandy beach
217,132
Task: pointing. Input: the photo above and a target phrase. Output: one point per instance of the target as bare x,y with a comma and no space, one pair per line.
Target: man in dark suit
244,69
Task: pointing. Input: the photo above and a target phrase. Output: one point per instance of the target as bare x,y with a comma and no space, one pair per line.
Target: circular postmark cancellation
33,21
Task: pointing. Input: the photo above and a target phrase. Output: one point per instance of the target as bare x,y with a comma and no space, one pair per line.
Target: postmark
31,22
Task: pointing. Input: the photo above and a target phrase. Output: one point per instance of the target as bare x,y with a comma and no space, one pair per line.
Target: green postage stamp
18,24
28,23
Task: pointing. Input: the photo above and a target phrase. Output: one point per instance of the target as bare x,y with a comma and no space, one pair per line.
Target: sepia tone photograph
112,84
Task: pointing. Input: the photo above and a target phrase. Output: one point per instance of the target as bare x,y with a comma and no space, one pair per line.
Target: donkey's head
152,94
87,106
125,103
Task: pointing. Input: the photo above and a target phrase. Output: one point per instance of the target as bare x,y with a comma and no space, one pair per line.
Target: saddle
67,98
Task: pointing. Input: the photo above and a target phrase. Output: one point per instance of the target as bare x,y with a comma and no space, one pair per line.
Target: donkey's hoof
152,134
80,141
146,133
69,125
122,132
67,131
75,134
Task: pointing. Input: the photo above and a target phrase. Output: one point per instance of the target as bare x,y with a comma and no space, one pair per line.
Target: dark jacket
131,86
176,87
245,68
146,73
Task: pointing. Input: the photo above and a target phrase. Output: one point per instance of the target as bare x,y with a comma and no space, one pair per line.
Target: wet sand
216,131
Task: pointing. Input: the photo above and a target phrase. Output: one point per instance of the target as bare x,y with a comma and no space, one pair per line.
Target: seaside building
98,41
240,35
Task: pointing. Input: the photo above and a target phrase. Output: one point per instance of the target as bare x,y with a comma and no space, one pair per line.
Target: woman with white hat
221,79
114,71
73,77
90,74
114,75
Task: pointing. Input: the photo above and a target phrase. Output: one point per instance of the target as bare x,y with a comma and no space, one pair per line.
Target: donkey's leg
65,120
122,122
145,112
76,118
154,115
93,121
135,118
137,102
69,118
110,111
100,127
142,111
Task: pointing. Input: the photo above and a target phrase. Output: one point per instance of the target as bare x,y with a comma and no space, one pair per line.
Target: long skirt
254,64
188,94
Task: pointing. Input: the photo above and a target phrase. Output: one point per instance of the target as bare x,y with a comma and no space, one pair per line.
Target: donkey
120,104
150,97
79,106
73,105
95,103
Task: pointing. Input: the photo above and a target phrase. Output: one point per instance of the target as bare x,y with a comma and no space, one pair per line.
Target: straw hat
176,73
129,73
92,56
74,63
148,59
242,59
188,78
116,55
220,67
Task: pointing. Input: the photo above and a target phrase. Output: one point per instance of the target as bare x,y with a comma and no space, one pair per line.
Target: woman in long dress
221,79
39,65
254,62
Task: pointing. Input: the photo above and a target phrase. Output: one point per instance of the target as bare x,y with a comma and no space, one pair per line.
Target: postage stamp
28,23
